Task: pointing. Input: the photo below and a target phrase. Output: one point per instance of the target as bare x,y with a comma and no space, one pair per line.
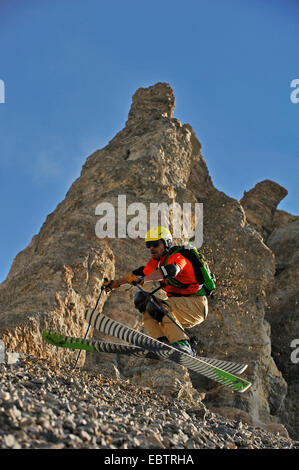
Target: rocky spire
152,102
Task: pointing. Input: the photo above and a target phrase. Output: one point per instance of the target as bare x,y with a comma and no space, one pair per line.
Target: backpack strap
175,282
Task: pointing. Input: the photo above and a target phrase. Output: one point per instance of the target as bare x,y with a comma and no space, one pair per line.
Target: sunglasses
154,244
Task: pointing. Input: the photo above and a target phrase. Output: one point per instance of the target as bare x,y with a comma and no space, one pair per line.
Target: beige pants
186,311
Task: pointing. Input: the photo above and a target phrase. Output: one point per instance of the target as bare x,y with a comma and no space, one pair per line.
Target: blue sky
70,68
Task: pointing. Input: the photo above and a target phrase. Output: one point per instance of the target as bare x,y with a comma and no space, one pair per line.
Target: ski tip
245,388
53,338
237,384
45,334
243,369
241,386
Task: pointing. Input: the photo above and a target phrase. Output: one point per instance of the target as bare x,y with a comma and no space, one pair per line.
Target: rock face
50,283
280,232
154,159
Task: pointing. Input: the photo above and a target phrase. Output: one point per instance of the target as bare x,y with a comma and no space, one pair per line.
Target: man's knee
154,310
143,303
140,301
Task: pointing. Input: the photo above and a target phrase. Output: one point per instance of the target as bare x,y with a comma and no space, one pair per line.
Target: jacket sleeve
139,271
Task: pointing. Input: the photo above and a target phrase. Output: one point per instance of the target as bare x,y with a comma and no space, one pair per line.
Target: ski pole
86,333
150,294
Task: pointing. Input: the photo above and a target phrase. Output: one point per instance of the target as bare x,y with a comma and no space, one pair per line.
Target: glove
110,285
133,279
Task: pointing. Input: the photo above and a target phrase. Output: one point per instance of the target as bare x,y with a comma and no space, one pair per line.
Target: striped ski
110,327
71,342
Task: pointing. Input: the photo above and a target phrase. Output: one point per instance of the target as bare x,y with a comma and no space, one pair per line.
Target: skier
184,298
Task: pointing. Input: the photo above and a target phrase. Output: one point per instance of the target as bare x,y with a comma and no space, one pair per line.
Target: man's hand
133,279
110,285
129,279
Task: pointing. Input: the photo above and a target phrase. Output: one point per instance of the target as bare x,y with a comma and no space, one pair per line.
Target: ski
111,327
99,346
70,342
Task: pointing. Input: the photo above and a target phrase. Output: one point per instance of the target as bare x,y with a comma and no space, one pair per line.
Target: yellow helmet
159,233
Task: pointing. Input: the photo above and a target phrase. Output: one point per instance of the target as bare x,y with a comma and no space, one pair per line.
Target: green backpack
201,269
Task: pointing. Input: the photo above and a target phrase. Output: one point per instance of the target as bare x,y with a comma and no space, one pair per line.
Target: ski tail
71,342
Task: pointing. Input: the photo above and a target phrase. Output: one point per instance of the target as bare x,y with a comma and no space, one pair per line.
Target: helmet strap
166,249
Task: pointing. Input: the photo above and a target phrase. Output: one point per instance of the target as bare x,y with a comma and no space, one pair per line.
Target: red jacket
186,274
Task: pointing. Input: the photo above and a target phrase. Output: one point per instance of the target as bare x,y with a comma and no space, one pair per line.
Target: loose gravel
43,406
